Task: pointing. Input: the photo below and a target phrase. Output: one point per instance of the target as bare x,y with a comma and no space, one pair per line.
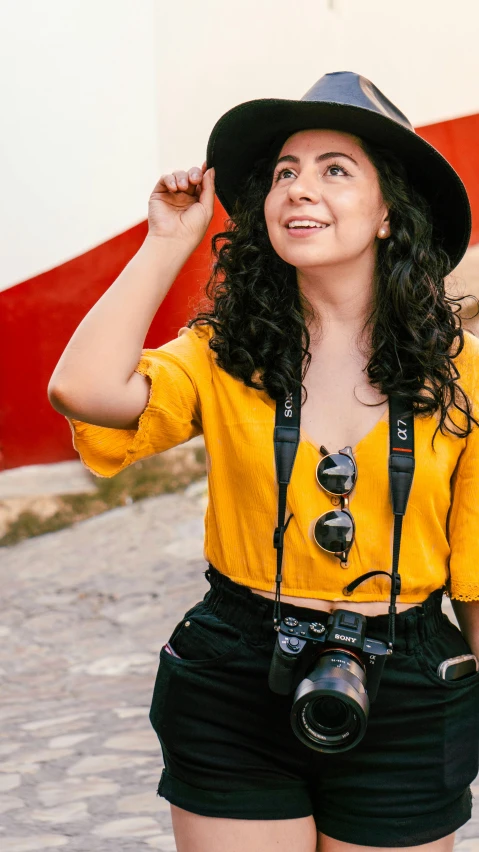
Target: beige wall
79,136
101,96
421,53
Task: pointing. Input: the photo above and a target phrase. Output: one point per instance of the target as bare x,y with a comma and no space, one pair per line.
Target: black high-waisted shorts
229,749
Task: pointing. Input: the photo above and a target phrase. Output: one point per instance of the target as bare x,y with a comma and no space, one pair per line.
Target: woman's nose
305,188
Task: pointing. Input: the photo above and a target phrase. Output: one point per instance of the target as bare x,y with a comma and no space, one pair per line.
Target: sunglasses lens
334,531
336,474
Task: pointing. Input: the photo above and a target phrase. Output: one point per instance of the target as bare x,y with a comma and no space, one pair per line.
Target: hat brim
246,133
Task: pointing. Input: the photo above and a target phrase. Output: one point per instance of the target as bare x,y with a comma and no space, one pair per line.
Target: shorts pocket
160,691
461,752
448,642
201,639
202,644
459,702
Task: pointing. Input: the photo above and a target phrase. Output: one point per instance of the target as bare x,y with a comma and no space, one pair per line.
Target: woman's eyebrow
292,159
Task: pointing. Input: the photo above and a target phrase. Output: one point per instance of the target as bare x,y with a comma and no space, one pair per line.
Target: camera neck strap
401,472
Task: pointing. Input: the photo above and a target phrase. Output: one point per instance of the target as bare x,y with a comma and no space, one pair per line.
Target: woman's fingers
195,176
166,183
181,217
207,195
180,181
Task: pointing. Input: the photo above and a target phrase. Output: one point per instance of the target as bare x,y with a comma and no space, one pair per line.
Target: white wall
423,55
99,97
79,127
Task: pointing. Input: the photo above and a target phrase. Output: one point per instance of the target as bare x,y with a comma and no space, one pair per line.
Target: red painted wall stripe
38,316
37,319
458,142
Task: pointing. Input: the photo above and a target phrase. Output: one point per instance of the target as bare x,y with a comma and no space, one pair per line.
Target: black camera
335,671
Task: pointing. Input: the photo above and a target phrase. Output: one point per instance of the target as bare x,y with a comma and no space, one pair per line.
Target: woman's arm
467,614
95,379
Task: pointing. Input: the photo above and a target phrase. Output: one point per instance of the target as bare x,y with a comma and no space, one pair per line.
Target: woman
330,275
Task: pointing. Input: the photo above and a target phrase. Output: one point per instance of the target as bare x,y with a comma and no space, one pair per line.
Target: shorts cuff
391,830
258,803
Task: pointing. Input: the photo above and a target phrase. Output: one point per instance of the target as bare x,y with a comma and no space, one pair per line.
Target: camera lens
331,707
329,714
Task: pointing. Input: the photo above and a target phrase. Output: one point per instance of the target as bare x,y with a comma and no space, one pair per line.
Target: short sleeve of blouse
463,521
180,373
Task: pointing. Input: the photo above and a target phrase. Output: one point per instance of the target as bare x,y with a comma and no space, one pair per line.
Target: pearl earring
382,232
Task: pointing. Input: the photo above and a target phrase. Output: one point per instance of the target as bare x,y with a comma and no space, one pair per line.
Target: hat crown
346,87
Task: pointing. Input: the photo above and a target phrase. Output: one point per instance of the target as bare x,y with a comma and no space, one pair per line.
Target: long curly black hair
259,315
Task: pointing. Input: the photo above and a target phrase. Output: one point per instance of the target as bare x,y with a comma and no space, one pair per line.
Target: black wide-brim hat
350,103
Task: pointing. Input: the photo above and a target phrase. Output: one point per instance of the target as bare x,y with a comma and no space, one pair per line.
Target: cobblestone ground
84,613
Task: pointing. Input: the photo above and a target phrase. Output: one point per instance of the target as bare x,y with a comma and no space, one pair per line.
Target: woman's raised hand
181,205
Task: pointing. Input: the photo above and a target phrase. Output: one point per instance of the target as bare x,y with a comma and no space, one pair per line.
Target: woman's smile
299,231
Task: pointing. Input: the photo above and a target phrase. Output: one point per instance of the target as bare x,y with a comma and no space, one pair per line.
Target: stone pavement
83,616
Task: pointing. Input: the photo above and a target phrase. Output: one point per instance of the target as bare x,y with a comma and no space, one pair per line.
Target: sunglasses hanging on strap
401,472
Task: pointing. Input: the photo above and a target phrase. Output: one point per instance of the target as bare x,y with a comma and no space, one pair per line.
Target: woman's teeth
305,223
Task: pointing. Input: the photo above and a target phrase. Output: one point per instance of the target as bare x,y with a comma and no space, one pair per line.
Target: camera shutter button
293,643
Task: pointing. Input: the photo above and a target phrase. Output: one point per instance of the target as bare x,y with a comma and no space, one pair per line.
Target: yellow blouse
191,395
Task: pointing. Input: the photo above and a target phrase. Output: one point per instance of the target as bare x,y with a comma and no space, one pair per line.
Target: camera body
335,671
